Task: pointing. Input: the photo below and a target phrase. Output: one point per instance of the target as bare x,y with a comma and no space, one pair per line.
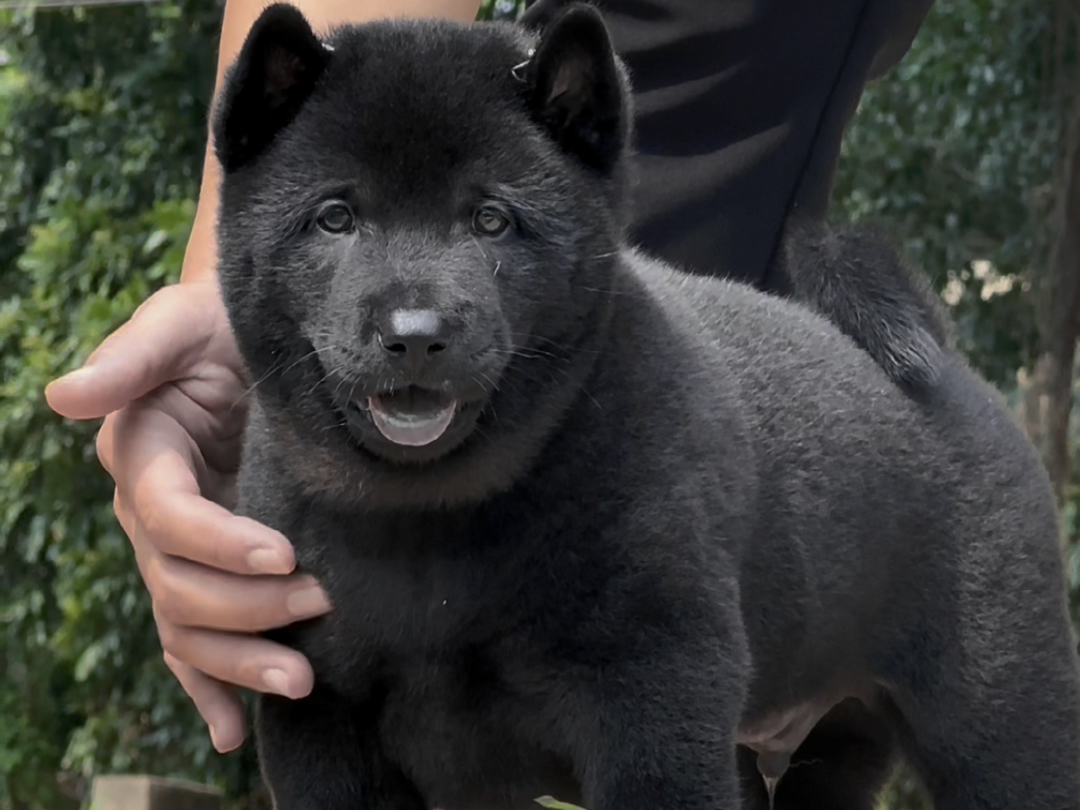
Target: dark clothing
740,109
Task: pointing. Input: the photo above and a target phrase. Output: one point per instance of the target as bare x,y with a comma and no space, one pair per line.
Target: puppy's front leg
320,753
663,733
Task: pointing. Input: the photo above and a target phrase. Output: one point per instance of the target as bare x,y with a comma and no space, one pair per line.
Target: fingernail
268,561
276,681
308,602
214,739
77,375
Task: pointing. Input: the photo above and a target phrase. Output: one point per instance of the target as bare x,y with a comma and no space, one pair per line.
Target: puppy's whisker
247,391
298,361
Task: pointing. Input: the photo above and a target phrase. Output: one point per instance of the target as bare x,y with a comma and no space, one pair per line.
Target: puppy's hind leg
992,720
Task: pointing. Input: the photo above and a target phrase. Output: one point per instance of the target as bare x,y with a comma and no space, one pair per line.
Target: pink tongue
411,429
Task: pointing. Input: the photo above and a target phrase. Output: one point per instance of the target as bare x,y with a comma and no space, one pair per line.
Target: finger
213,423
124,516
193,595
249,661
195,529
217,703
175,425
153,461
170,329
104,444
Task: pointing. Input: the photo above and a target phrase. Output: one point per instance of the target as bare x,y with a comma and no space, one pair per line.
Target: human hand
170,385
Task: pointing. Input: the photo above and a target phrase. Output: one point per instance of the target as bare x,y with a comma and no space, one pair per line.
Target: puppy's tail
853,276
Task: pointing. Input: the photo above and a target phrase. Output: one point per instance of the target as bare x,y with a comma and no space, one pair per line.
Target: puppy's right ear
277,69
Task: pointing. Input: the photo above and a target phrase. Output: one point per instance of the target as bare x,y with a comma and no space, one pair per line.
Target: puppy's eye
336,217
490,221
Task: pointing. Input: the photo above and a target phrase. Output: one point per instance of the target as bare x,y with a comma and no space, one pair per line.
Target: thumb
154,347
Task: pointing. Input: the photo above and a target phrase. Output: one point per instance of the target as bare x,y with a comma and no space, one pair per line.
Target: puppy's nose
415,335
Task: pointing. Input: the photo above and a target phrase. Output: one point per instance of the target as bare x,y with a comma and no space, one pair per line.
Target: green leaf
554,804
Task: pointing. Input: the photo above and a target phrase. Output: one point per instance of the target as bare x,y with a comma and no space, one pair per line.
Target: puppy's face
418,219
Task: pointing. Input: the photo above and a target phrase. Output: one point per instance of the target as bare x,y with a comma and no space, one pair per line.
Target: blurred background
969,151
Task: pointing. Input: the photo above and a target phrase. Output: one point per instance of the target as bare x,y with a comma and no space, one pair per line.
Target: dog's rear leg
994,722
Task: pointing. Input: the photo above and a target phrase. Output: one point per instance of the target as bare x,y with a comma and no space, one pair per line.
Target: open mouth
412,416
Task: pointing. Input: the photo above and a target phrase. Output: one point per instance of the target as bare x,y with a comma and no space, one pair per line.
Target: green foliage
551,803
103,119
904,793
955,150
71,602
500,9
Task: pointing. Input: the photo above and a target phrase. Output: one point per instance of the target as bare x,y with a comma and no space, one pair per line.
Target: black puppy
592,527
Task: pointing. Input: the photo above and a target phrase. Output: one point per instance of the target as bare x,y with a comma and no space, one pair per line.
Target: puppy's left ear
264,89
576,88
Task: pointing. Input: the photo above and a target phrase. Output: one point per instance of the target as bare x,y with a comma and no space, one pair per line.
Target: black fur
576,89
283,60
854,278
670,518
